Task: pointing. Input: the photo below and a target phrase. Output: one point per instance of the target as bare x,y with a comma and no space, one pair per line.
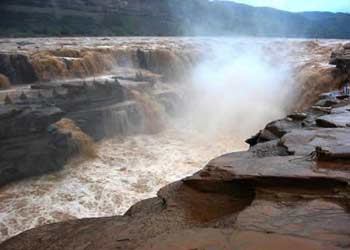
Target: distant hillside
163,18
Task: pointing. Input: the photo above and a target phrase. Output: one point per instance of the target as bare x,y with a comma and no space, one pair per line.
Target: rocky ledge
290,190
45,125
341,57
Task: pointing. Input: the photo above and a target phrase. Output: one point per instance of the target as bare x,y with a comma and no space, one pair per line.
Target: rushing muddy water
134,168
125,172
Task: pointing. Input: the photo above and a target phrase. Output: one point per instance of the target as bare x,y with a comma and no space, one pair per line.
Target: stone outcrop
341,58
32,65
289,190
17,68
4,82
28,147
313,81
41,128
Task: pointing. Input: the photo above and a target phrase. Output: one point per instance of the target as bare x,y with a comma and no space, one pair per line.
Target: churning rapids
124,172
130,169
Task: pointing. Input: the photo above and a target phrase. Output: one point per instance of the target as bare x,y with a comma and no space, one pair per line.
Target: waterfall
152,112
115,122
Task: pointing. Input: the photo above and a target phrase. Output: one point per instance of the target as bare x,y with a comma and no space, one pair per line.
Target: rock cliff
44,126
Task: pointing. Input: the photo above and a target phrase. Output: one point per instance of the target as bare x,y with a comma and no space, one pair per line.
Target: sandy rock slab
304,141
325,222
245,169
213,239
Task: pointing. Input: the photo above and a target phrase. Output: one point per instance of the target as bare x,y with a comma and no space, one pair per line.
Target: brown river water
130,169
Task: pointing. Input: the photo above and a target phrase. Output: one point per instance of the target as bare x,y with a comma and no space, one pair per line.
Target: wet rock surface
18,68
289,190
341,57
36,153
27,61
31,144
334,120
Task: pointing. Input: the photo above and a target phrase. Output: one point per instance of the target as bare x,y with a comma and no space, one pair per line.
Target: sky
302,5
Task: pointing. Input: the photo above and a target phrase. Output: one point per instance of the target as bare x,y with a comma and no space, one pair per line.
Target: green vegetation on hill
162,18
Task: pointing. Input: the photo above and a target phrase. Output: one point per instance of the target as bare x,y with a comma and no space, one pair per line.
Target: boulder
281,127
4,82
17,68
16,120
34,139
39,153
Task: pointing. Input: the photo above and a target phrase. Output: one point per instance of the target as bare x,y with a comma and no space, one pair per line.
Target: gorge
124,117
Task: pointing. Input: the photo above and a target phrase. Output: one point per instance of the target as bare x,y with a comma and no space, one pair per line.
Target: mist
237,89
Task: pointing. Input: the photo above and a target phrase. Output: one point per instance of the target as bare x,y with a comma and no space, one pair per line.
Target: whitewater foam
126,171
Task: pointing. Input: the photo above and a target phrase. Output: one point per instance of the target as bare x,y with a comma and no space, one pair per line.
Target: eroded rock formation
289,190
341,58
4,82
17,68
31,62
41,128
